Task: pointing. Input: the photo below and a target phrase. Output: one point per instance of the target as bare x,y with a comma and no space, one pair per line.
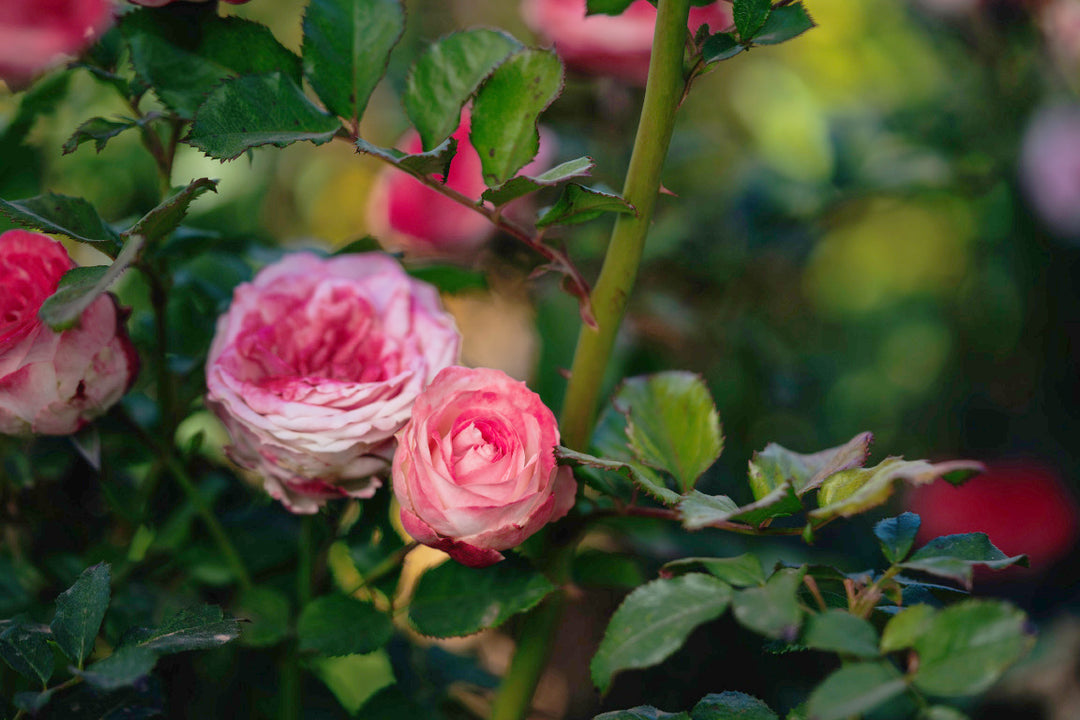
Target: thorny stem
663,91
558,259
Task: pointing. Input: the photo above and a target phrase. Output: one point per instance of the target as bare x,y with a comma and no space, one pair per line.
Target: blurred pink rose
54,383
317,364
612,46
1024,508
405,215
1050,167
36,34
1060,21
475,469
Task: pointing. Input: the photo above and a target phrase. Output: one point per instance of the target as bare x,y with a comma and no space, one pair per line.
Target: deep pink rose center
28,278
477,445
335,334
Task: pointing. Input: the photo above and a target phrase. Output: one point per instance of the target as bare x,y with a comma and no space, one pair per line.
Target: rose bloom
54,383
616,46
1050,167
37,34
317,364
1023,508
405,215
475,470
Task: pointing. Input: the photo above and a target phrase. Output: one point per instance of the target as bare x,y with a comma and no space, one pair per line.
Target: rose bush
405,215
54,383
317,364
475,470
36,35
612,46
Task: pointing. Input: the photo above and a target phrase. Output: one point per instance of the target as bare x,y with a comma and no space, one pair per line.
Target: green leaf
255,110
784,23
732,706
268,611
61,215
524,184
606,7
655,620
447,74
347,46
450,279
81,286
741,571
579,204
453,600
672,423
79,612
184,60
906,626
322,623
776,465
897,535
699,510
642,712
198,628
124,667
644,477
855,689
955,557
167,216
507,108
355,679
773,609
99,130
854,491
841,632
750,15
967,647
25,648
432,162
721,46
33,702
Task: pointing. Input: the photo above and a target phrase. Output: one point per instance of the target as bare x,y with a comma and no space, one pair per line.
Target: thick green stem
292,705
663,93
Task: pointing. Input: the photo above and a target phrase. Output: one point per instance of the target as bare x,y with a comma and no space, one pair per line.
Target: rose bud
1023,508
1050,168
317,364
54,383
475,469
407,216
615,46
37,34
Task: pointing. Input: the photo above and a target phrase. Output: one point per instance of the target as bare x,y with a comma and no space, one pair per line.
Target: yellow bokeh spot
888,251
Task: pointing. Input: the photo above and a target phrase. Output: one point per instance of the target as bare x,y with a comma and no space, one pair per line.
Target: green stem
663,93
305,561
180,473
534,645
292,705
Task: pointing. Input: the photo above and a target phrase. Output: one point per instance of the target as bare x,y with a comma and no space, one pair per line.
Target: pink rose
36,34
610,45
405,215
1024,508
317,364
54,383
475,469
1050,167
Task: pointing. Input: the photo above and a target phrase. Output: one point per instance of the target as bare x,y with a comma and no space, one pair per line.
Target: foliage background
850,249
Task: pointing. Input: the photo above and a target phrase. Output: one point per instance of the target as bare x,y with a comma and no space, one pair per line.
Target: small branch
388,565
812,586
668,514
559,260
